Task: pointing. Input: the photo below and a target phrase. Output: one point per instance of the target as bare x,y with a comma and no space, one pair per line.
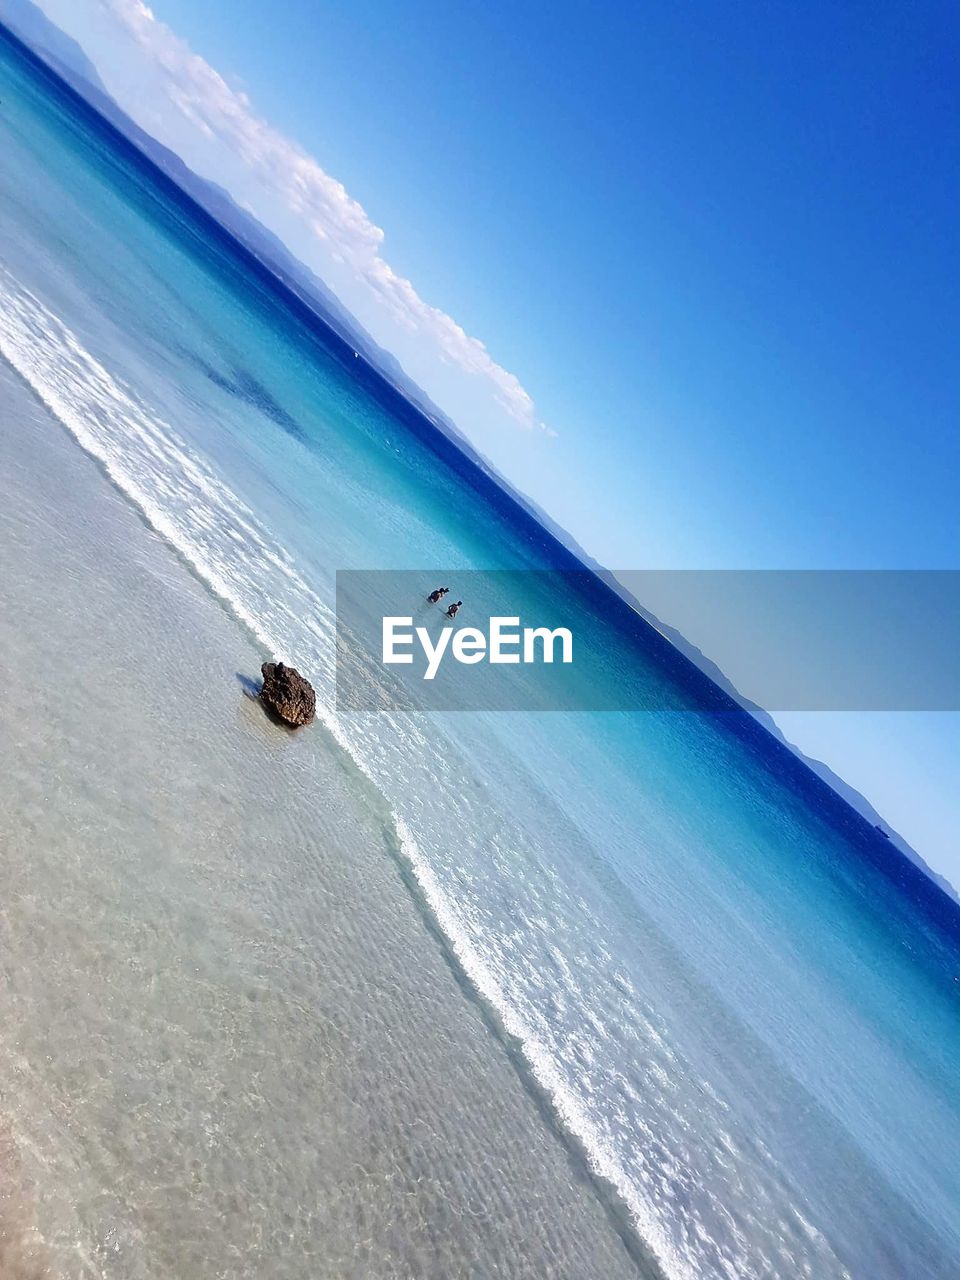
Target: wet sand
229,1044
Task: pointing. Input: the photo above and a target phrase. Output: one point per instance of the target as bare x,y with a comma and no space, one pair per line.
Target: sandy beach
217,995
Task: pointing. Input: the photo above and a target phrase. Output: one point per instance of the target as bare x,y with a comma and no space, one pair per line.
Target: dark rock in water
287,694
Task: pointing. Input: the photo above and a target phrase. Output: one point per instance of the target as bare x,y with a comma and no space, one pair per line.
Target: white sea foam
227,546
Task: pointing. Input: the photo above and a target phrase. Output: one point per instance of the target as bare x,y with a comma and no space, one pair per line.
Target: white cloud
322,205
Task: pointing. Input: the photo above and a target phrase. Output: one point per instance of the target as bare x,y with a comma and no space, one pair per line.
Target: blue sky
713,249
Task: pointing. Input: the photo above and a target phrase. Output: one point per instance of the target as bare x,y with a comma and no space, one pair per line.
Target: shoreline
200,954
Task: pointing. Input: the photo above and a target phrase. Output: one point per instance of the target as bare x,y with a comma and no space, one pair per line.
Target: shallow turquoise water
718,991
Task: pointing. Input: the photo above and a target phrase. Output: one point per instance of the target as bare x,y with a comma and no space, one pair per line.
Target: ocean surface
517,994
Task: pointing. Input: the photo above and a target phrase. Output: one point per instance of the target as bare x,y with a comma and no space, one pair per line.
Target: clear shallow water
704,979
230,1047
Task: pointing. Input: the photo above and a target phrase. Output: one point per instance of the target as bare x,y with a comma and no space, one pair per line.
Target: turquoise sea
728,1003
